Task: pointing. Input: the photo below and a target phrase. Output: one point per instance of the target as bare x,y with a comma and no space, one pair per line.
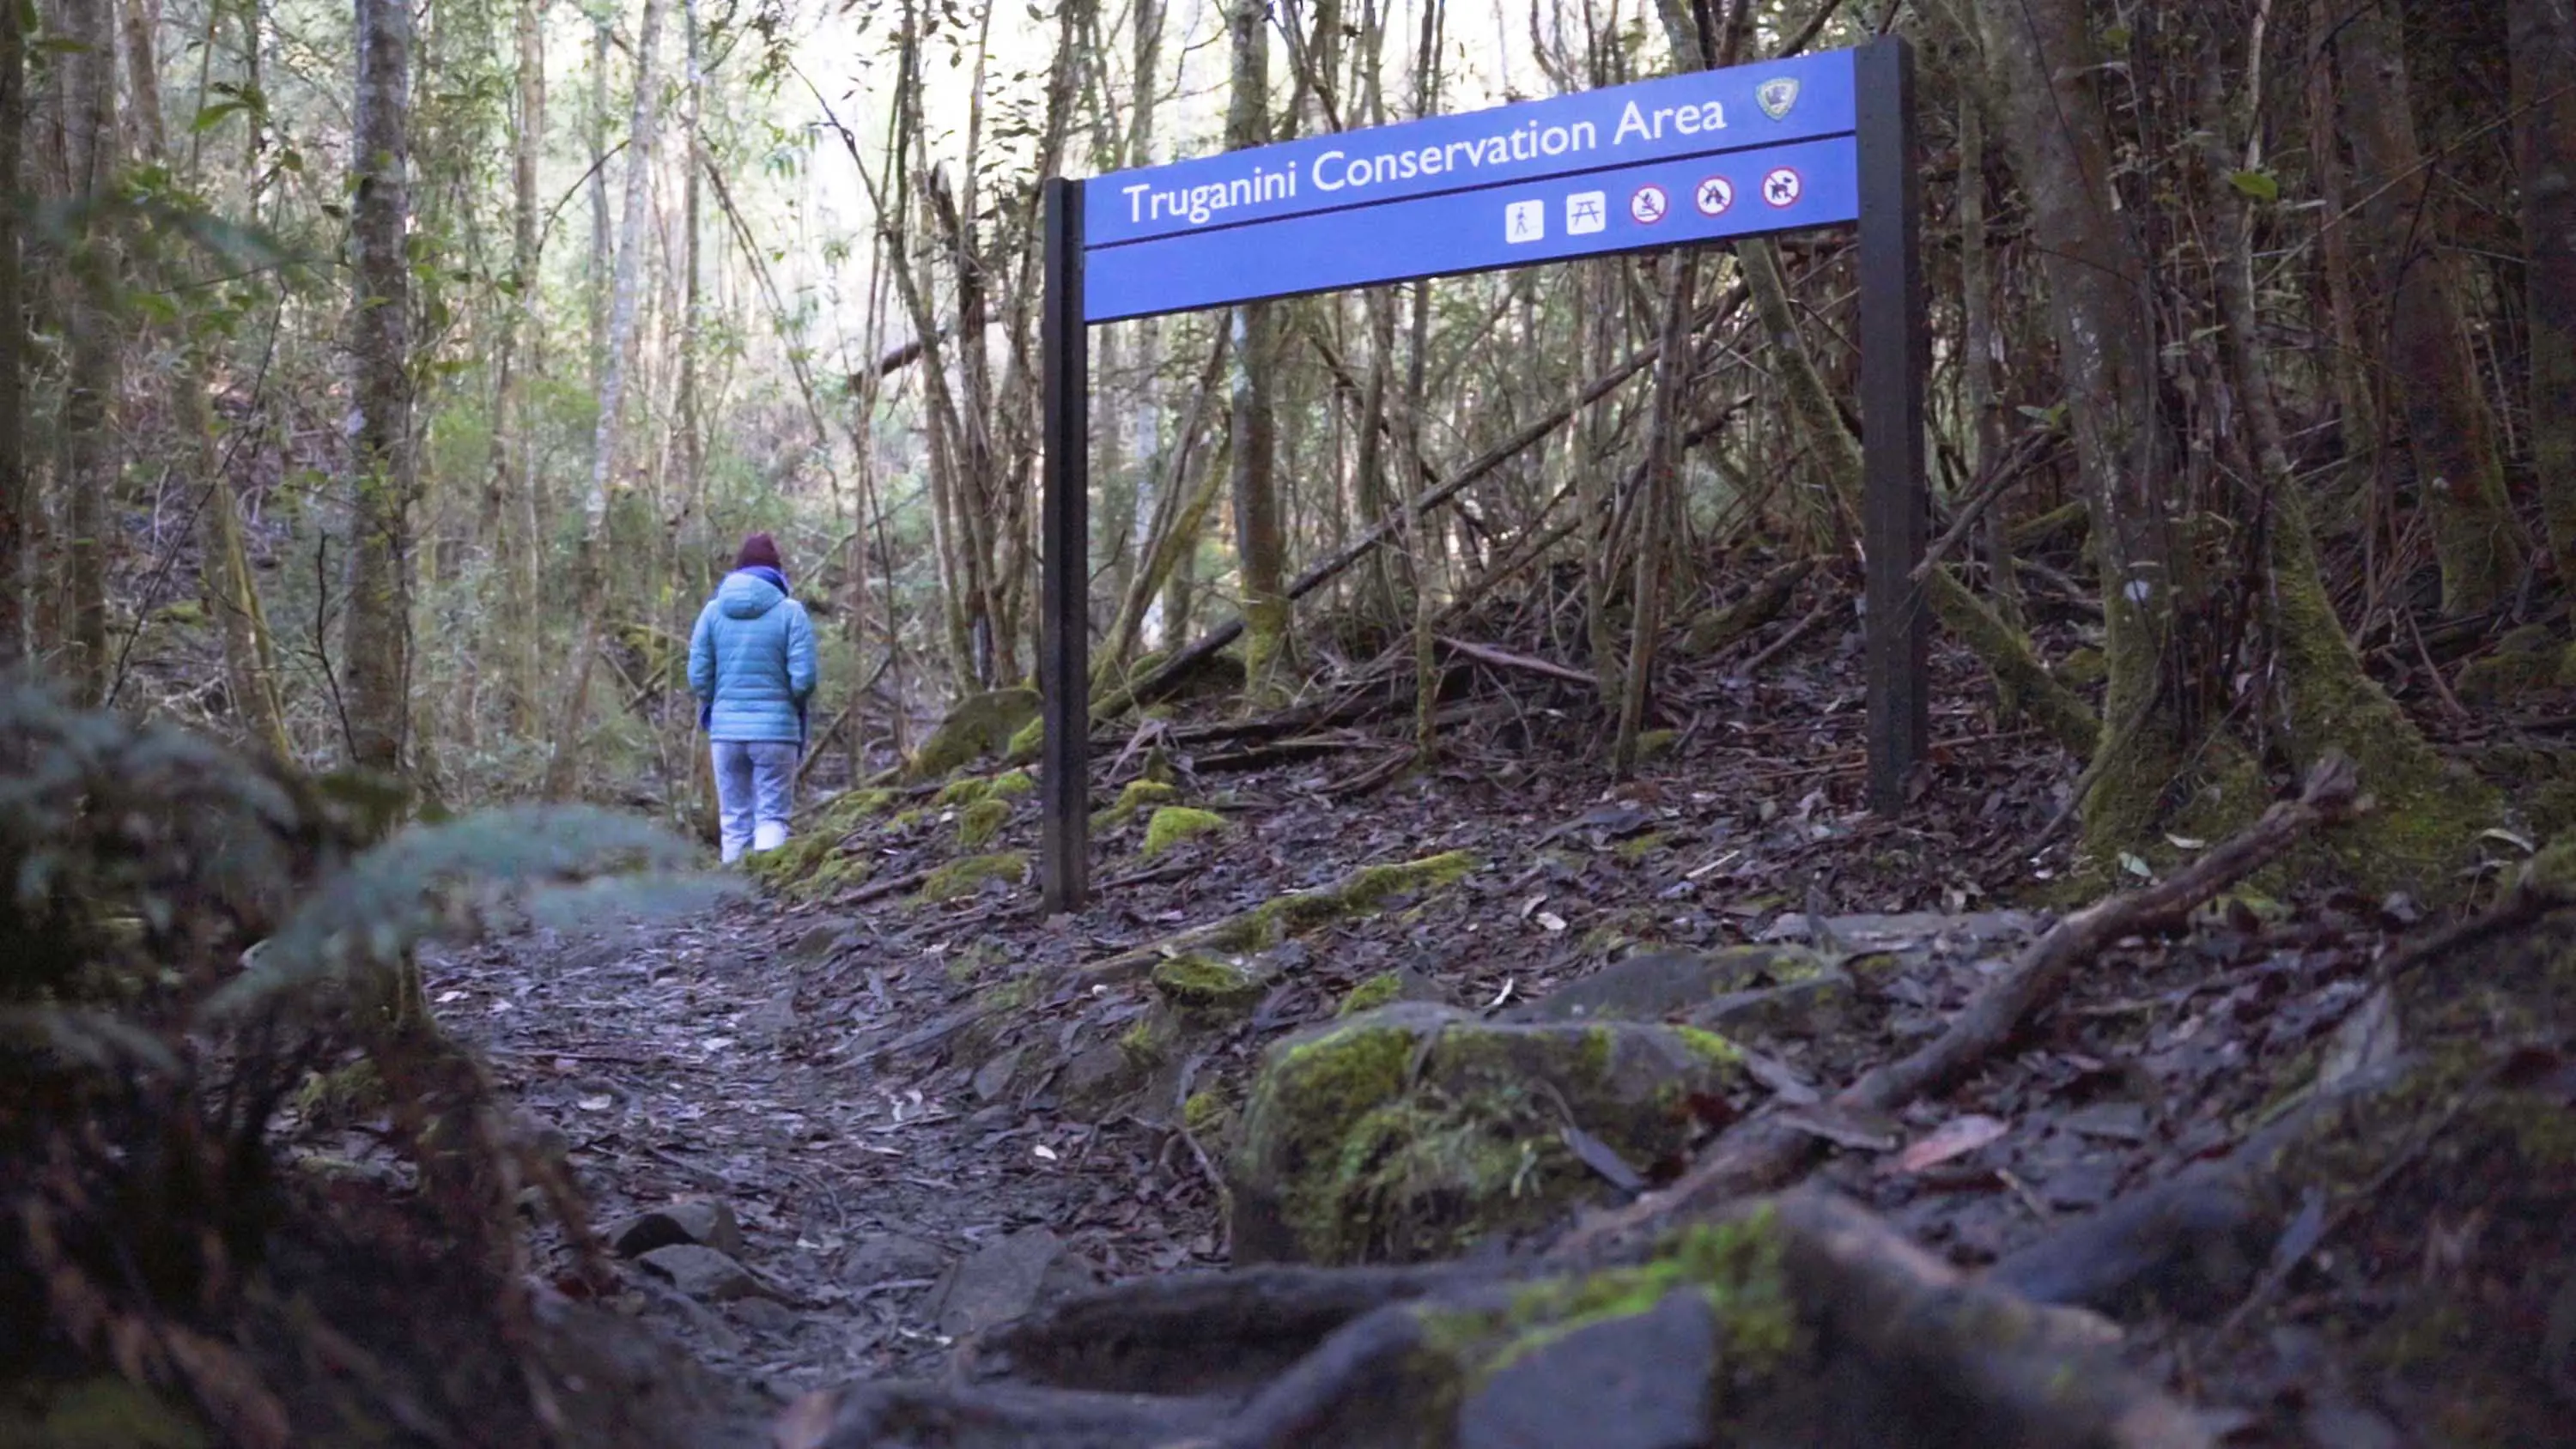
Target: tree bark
17,499
87,464
376,641
2045,68
518,463
1261,550
2543,41
563,767
2457,466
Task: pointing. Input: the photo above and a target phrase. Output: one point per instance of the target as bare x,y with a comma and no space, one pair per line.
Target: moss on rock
1198,983
1173,824
979,725
978,823
1138,797
1358,893
964,877
1383,989
1410,1131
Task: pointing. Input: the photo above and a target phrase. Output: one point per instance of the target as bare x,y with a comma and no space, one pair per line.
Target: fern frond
433,880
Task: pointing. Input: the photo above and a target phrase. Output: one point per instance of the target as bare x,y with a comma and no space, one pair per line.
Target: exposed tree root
1797,1320
1762,1152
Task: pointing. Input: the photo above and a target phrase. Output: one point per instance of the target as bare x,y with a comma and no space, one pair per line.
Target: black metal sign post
1064,587
1895,352
1790,145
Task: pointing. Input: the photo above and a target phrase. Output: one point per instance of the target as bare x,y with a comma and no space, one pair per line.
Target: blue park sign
1786,145
1696,157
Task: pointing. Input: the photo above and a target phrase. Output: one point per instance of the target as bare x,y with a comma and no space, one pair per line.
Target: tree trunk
87,460
516,414
595,295
2543,42
2044,69
2425,816
2358,416
1985,414
376,641
2448,428
1261,550
230,594
1663,447
563,767
17,499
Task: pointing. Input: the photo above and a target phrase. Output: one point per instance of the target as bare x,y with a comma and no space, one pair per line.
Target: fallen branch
1388,528
1762,1152
1505,659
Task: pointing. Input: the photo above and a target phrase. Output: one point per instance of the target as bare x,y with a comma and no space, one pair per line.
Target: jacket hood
746,595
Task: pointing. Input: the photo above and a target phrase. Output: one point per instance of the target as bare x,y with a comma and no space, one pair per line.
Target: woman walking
751,665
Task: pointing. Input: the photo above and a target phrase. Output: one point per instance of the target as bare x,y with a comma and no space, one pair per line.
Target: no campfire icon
1715,195
1782,186
1649,204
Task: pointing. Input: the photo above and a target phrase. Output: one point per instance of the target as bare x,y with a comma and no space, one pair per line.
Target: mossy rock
978,823
1409,1132
1361,892
979,725
1027,743
1173,825
961,878
1138,797
813,864
1384,989
1655,744
1208,984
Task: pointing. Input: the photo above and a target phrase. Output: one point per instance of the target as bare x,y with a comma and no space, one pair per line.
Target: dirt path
708,1059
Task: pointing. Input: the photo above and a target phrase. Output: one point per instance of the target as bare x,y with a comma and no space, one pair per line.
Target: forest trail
698,1059
910,1168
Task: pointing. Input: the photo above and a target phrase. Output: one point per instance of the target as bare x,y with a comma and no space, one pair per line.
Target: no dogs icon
1715,195
1649,204
1783,186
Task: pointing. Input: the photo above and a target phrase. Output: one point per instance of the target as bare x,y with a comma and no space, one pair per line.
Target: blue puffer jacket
751,660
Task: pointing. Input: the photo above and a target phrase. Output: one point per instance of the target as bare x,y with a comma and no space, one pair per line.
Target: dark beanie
759,551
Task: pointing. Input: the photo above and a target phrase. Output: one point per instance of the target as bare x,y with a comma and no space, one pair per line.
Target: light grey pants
756,791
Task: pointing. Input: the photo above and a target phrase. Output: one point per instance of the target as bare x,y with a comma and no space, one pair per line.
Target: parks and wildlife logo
1777,96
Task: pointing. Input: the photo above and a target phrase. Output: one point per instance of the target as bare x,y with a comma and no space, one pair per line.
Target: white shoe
769,835
732,851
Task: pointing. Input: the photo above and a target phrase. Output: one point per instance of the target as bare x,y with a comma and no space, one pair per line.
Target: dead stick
1762,1152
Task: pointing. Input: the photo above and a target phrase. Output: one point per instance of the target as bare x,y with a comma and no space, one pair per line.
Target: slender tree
16,498
87,464
376,639
2543,41
1260,547
2448,426
591,570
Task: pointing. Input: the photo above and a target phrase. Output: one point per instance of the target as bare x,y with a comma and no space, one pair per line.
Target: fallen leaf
1551,922
1844,1126
597,1104
1044,1152
1954,1138
1501,996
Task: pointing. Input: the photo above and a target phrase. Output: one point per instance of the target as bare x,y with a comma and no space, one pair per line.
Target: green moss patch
1410,1131
979,725
961,878
1206,984
1138,797
1383,989
978,823
1360,892
1173,824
